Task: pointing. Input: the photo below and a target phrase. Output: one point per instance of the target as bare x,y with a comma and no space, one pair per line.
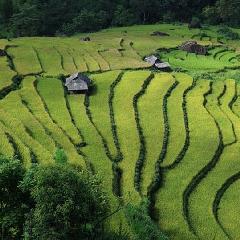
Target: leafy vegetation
31,18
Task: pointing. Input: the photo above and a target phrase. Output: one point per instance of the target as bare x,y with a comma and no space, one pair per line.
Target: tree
26,22
123,17
6,9
141,224
68,203
60,156
229,11
14,203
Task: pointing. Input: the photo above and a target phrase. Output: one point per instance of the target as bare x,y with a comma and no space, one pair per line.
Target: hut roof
193,47
151,59
77,82
163,65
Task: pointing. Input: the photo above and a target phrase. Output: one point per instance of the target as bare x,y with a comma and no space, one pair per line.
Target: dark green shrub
228,33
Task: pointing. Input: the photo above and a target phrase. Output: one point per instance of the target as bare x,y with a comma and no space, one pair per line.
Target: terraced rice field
165,136
218,58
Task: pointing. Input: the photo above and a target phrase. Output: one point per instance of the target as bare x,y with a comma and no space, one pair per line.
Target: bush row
116,181
142,149
119,156
38,57
16,82
17,152
234,98
196,180
182,153
61,57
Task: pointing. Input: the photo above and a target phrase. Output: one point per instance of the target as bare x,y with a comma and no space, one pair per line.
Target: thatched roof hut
156,62
193,47
78,83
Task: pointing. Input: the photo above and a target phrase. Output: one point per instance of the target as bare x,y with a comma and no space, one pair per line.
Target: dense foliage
50,202
50,17
141,224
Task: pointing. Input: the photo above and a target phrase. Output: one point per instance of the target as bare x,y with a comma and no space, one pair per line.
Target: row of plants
119,156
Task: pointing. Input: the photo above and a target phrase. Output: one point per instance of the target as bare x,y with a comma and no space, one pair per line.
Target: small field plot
51,61
25,60
56,105
218,59
177,119
150,107
6,74
68,63
12,144
99,106
126,127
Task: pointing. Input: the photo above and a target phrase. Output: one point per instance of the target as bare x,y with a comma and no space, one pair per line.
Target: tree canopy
50,17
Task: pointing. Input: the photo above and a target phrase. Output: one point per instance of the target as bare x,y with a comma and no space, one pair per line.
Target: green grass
150,107
126,128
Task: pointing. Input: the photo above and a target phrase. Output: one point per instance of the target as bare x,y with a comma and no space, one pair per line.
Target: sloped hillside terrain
174,137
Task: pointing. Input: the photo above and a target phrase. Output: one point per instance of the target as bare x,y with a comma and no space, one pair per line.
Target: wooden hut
193,47
156,62
78,83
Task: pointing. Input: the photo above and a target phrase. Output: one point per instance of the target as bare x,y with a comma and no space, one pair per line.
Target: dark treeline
51,17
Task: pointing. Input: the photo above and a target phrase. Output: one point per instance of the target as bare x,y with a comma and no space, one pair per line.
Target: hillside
173,137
